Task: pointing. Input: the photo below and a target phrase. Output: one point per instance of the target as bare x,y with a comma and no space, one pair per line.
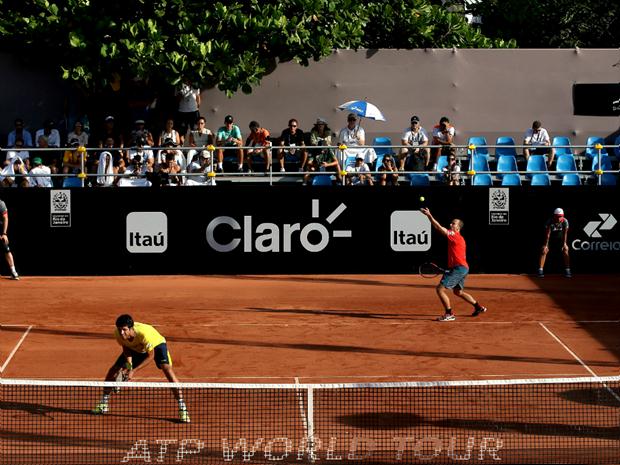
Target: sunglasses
292,125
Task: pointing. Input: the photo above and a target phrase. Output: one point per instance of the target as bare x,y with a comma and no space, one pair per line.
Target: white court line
576,357
302,410
19,343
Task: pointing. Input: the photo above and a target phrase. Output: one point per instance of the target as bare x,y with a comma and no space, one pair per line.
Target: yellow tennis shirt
146,339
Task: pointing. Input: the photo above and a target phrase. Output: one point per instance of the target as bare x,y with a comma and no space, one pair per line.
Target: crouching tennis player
140,343
454,277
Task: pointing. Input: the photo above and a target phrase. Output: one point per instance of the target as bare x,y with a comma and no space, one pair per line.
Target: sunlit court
306,368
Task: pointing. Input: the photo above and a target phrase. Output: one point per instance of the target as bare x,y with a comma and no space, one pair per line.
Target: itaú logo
225,234
593,231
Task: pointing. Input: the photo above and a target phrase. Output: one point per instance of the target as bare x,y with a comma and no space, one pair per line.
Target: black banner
596,99
240,229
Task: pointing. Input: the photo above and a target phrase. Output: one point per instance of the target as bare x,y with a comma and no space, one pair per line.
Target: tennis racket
121,377
430,270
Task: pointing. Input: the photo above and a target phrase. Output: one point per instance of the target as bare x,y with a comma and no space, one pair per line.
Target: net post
310,410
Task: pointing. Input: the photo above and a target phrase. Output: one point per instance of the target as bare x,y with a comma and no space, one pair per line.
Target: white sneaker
447,317
282,170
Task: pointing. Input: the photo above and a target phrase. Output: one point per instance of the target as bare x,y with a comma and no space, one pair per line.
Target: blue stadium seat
571,180
505,141
442,162
605,163
380,144
591,152
322,180
565,163
606,179
536,163
482,180
541,179
419,179
72,182
506,163
511,180
478,141
479,163
561,140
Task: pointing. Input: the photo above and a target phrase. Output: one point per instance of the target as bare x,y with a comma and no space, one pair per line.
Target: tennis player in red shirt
454,277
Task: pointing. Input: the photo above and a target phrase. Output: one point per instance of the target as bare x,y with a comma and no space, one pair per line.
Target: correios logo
147,232
225,233
595,231
410,231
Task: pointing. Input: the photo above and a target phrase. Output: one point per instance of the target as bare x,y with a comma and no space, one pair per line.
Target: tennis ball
421,198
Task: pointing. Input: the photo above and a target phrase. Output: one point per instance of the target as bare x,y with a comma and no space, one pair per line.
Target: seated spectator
73,160
199,138
110,130
51,158
50,132
18,152
167,172
291,138
139,131
321,134
14,174
229,135
443,134
19,133
200,163
388,173
171,150
41,174
259,140
353,135
538,138
120,159
105,170
134,173
359,174
451,172
79,134
169,133
324,160
416,138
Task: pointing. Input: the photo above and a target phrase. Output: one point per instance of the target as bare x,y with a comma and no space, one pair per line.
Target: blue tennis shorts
161,356
454,278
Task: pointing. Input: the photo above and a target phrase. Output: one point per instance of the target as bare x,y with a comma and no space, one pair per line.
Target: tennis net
572,420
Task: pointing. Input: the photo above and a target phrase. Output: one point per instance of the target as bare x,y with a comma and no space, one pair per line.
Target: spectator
259,140
388,174
14,174
200,163
139,131
416,138
167,171
359,174
42,173
23,155
188,110
451,172
199,138
538,138
171,150
79,134
169,133
229,135
73,159
120,159
110,130
443,134
19,133
48,130
321,134
50,158
291,138
324,160
353,135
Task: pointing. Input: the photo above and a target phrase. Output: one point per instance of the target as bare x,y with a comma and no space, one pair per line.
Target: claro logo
147,232
593,231
225,234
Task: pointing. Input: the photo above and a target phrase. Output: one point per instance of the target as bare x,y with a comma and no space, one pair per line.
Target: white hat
558,211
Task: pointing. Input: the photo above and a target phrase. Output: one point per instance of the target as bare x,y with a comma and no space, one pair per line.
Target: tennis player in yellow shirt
140,343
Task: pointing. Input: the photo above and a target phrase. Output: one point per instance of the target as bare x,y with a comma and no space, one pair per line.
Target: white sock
220,165
13,270
182,405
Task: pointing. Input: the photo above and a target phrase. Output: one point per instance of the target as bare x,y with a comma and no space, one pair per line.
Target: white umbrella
363,109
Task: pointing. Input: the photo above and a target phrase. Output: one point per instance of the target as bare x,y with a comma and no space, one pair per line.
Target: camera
137,159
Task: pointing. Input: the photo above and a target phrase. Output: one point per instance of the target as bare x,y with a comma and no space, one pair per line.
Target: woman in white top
169,133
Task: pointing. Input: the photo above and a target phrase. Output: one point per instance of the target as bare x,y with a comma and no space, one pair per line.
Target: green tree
552,23
230,44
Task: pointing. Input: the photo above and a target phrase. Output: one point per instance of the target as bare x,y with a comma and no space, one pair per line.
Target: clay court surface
314,329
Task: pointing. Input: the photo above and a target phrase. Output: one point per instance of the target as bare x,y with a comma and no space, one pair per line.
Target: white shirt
351,169
537,138
53,139
350,137
441,136
189,95
415,137
83,138
40,181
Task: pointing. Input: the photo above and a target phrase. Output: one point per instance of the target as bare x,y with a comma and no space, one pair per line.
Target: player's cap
415,119
558,211
228,119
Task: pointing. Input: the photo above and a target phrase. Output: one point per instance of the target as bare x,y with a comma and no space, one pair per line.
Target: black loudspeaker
596,99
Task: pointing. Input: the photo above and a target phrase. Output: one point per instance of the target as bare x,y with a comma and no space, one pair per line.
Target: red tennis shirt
456,250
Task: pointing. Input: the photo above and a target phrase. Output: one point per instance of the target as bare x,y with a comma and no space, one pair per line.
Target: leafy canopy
230,44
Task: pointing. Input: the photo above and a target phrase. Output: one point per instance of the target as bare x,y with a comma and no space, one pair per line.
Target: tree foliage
230,44
552,23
